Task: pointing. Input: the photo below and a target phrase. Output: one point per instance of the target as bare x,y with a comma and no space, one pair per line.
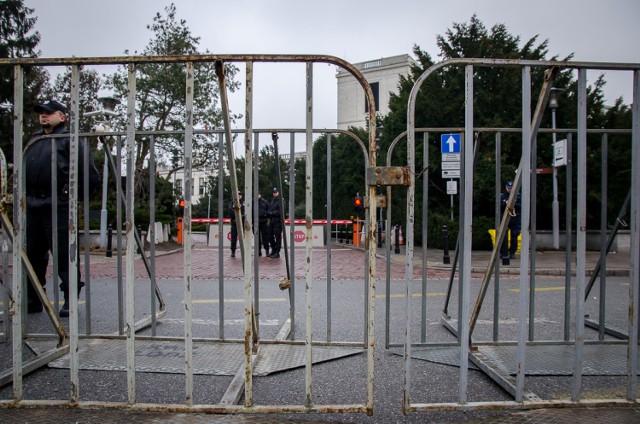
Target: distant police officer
234,227
52,115
508,250
275,226
263,225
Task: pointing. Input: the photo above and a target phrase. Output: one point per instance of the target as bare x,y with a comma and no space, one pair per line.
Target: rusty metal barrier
129,326
467,349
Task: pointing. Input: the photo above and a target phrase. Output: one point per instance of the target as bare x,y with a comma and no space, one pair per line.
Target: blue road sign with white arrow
450,143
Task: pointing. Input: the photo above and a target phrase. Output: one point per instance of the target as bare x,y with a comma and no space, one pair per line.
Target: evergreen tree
18,40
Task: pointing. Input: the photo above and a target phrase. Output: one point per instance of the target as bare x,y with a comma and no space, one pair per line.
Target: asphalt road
341,381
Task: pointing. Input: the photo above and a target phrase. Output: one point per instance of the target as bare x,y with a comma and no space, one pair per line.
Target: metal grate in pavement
439,355
604,359
209,358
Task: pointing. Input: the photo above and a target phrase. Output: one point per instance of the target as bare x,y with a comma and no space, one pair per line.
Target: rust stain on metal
388,176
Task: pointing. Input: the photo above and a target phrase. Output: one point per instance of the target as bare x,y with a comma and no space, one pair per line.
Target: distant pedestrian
275,225
263,225
234,227
508,250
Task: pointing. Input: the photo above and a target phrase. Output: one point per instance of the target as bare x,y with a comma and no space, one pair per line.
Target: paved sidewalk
547,262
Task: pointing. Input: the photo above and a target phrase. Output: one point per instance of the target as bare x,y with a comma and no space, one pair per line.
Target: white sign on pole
450,173
450,165
451,157
560,153
452,187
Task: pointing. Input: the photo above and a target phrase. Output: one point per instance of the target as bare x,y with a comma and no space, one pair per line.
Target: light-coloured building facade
199,180
383,75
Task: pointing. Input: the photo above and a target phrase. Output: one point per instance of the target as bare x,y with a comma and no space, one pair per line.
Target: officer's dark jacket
232,211
37,162
274,208
504,199
263,209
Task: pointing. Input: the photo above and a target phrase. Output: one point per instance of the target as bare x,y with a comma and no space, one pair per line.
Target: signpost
560,153
450,166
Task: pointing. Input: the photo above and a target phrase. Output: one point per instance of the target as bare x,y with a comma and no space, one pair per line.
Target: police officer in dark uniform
37,159
234,227
263,226
275,227
508,250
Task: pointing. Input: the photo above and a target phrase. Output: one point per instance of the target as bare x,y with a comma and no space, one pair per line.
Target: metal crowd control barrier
605,244
469,349
126,296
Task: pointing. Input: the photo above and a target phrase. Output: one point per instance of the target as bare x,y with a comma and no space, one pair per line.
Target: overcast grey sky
594,30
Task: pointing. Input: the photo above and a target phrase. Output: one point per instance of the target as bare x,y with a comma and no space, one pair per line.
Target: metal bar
4,251
603,235
496,275
370,244
581,235
568,241
220,231
256,227
245,233
6,298
55,278
18,229
490,62
119,195
186,234
87,246
329,241
387,300
72,290
130,228
292,274
152,230
466,225
204,409
308,272
524,176
533,222
634,271
461,240
425,234
406,394
452,275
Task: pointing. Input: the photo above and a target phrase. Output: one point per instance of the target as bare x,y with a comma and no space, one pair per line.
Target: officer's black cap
50,106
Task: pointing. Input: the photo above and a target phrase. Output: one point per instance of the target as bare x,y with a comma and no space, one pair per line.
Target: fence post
397,241
445,242
109,235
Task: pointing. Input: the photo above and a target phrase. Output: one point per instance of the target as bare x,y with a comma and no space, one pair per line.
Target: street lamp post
555,207
108,105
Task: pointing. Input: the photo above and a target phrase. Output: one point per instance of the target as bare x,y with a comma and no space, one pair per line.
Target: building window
201,186
372,64
178,185
376,97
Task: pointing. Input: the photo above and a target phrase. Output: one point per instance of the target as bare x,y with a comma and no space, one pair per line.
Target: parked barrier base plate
209,358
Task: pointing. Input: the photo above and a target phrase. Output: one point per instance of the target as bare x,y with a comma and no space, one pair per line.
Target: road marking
541,289
274,299
267,322
382,296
